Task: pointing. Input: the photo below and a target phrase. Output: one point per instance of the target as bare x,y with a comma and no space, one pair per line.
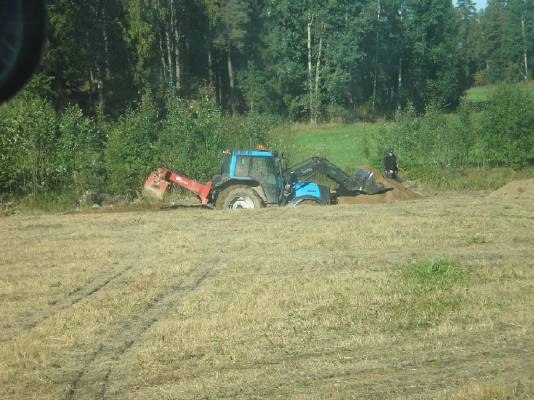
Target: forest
125,85
307,60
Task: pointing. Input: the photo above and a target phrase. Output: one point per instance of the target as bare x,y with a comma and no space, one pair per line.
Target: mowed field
427,299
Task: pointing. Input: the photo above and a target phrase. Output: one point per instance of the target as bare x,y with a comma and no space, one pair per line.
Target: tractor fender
221,184
306,191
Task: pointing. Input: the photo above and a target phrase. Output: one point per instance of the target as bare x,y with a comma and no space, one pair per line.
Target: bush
129,151
338,114
51,155
80,152
248,130
28,139
190,138
507,127
434,144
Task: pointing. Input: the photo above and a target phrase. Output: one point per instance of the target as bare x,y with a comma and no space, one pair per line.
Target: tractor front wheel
238,197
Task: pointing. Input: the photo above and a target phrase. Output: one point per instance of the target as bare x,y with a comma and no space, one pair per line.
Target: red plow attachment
158,181
155,186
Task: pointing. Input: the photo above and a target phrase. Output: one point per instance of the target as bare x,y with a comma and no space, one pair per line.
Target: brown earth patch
517,190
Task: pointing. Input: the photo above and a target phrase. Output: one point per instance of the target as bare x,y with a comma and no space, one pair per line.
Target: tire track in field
72,298
92,380
375,379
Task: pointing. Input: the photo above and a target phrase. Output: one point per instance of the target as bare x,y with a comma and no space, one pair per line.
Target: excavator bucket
364,182
155,186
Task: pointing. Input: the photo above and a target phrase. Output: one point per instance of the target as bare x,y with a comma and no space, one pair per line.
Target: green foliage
507,127
506,41
45,152
255,90
48,202
194,134
48,153
433,146
80,152
129,151
40,85
433,140
190,138
28,143
485,178
231,24
62,155
249,130
370,55
479,94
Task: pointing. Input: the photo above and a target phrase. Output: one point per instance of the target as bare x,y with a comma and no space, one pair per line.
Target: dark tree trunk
231,78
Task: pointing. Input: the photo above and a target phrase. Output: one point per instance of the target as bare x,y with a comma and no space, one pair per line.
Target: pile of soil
397,192
516,190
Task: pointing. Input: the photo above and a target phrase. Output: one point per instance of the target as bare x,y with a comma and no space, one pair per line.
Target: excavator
258,178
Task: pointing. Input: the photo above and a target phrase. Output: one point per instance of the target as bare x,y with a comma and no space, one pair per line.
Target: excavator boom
363,180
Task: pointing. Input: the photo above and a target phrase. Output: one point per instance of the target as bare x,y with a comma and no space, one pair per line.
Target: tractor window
225,165
242,166
263,169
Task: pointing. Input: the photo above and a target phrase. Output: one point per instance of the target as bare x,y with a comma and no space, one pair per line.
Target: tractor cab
257,168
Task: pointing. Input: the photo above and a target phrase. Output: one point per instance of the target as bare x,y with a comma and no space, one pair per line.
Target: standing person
390,165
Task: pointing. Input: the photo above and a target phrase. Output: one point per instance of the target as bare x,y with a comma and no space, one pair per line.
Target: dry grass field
426,299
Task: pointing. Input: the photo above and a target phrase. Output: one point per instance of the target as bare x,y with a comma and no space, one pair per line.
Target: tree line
302,59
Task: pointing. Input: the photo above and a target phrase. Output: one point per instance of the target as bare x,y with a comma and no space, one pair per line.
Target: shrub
129,151
433,144
80,152
190,137
28,139
507,127
248,130
62,155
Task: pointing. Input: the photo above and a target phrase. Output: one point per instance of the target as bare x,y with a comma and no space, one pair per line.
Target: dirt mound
398,192
517,190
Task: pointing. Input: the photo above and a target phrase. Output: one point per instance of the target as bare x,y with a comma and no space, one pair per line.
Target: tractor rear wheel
308,202
238,197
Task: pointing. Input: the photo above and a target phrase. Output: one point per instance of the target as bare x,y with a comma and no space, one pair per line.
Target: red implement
159,180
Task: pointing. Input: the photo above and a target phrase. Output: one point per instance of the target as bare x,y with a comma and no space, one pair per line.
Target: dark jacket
390,162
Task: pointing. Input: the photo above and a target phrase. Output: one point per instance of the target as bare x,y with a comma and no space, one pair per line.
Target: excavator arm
362,182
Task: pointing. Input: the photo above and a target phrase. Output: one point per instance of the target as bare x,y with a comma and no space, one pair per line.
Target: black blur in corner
22,36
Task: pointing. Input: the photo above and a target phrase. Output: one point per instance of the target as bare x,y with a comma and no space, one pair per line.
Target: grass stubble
426,299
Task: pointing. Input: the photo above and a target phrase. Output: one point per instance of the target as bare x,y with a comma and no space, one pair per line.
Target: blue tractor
258,178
